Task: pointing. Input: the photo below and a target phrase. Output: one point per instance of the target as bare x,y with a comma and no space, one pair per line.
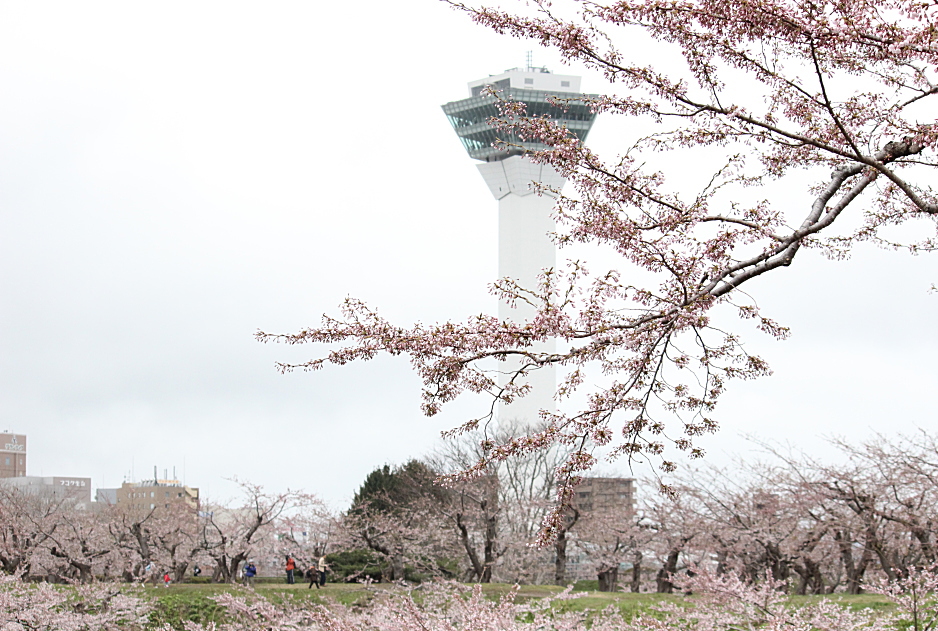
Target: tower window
529,81
564,84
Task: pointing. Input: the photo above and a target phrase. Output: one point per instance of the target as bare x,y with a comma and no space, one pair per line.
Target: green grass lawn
193,601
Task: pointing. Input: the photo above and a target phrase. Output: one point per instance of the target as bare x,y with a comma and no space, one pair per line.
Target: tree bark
664,584
560,558
636,584
491,536
560,546
854,570
477,567
84,567
609,579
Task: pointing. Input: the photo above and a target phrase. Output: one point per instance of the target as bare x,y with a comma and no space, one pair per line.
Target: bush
198,580
174,609
354,565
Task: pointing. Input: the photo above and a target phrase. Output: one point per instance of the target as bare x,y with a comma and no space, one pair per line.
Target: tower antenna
530,59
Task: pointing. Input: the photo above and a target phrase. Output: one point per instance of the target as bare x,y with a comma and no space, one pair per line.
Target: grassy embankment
193,601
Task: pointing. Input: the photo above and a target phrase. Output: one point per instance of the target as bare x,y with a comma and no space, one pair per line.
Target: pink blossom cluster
714,603
25,607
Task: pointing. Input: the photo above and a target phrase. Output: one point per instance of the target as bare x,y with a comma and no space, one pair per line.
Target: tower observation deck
534,87
525,223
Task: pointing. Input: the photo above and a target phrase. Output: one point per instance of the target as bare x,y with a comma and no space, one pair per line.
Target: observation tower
524,216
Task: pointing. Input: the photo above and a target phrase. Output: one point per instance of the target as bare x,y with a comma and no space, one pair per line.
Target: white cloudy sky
176,175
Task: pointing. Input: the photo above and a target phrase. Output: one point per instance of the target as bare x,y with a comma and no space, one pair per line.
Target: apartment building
12,455
150,494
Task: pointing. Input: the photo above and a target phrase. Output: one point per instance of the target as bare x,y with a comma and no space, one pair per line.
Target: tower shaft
525,250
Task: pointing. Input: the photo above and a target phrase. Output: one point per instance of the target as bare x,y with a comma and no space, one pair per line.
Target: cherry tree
26,521
129,529
678,531
527,484
609,537
749,520
83,608
727,602
874,509
915,592
904,473
561,538
80,543
306,534
473,507
498,512
176,539
46,536
230,535
759,128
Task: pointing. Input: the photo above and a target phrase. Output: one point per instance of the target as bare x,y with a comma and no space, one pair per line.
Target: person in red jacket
291,566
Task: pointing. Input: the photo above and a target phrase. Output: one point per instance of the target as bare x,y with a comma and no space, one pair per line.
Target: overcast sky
175,176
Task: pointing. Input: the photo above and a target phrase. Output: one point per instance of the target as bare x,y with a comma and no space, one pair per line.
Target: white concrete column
524,251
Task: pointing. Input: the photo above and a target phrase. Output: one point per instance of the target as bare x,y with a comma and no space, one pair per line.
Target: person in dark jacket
312,575
250,571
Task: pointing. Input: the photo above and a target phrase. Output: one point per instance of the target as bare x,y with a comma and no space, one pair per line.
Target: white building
59,487
524,217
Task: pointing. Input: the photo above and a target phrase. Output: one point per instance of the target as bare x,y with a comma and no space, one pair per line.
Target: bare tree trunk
560,558
397,567
83,567
721,561
560,546
233,565
491,535
220,573
665,586
179,570
609,579
636,585
854,570
477,567
142,538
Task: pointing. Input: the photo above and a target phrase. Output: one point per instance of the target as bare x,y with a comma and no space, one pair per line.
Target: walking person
312,575
291,567
323,566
